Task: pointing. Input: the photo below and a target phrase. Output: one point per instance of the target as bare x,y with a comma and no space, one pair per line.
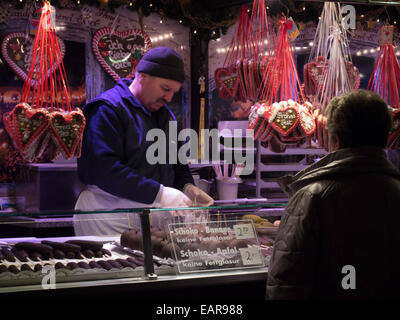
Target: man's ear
333,142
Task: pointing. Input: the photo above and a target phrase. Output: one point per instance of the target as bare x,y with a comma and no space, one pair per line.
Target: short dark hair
359,118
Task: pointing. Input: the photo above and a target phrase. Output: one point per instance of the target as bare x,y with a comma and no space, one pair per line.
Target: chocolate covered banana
26,267
3,268
8,254
63,246
35,256
105,264
70,255
115,264
106,252
98,254
13,268
44,249
94,264
72,265
126,263
21,254
37,267
88,253
83,265
87,244
58,254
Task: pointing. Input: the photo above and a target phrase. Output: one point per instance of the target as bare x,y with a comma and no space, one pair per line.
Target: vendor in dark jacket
340,235
114,163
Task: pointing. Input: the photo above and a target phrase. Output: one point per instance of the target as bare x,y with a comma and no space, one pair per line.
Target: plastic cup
228,188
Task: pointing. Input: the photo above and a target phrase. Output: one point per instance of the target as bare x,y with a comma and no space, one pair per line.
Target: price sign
244,231
250,256
215,245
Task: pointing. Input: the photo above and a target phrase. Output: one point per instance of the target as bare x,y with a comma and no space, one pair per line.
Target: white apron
111,224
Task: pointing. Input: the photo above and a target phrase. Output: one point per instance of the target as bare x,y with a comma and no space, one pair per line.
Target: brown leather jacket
344,210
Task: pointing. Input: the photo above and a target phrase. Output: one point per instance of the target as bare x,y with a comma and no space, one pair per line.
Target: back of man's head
359,118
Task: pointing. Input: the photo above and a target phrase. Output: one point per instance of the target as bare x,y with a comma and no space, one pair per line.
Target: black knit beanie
162,62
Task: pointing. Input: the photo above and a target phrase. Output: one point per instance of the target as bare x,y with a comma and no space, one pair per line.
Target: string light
304,8
180,21
362,16
164,36
377,20
195,31
130,4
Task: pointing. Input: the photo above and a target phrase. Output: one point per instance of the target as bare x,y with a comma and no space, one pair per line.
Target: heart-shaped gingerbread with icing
285,120
119,52
16,49
26,127
227,82
67,129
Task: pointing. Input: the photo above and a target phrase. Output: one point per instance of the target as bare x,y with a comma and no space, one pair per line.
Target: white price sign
244,231
250,256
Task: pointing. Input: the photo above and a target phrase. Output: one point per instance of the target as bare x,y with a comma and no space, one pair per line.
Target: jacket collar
348,161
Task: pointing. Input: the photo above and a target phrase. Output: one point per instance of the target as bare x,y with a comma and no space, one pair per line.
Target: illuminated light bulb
358,53
195,31
362,16
304,8
377,20
150,4
311,44
365,51
372,50
180,21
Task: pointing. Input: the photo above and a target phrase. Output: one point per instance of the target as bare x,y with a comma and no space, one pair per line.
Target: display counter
212,251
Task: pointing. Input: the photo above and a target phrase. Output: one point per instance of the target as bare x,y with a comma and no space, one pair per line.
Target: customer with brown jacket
340,235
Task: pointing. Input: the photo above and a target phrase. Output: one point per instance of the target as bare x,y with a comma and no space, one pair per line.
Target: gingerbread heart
26,127
285,120
227,82
67,129
16,49
119,52
314,75
306,121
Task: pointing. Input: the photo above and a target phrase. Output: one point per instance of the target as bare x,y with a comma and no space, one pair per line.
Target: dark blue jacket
114,147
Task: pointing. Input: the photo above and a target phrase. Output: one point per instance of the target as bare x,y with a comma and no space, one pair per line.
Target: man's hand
198,196
173,198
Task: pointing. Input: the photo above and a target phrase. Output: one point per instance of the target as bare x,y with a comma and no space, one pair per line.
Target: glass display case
146,247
